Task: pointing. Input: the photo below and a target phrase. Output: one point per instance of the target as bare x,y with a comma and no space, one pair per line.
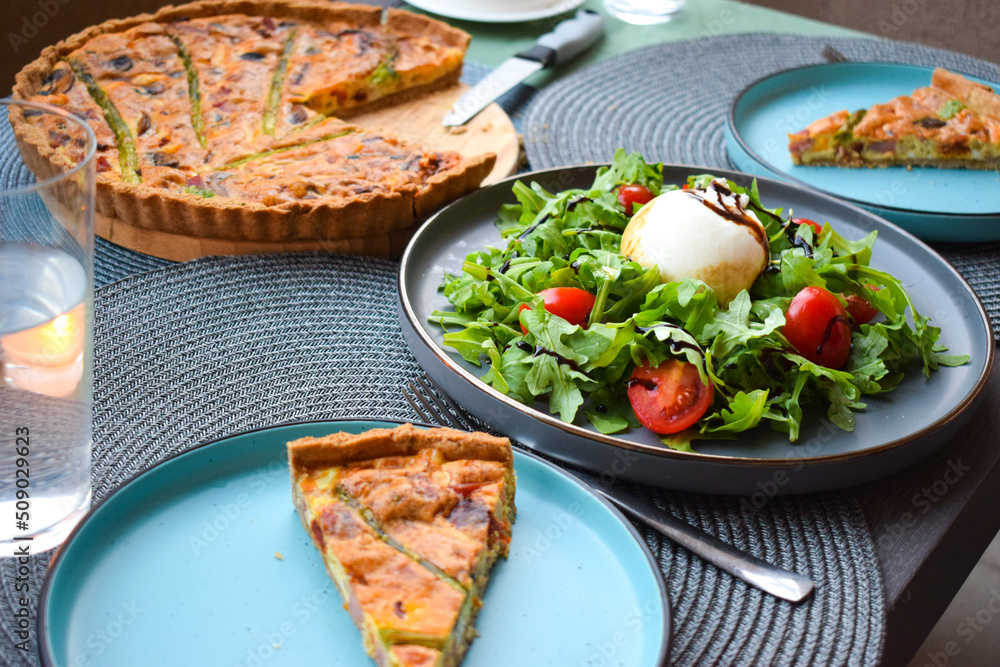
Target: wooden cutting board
417,120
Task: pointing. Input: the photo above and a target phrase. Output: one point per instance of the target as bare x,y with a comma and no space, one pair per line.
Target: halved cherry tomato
816,324
670,397
633,194
817,228
570,303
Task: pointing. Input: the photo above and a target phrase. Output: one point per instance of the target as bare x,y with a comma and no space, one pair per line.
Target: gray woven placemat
216,346
670,102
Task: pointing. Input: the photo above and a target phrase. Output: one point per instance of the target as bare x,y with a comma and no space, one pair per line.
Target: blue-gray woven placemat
670,102
216,346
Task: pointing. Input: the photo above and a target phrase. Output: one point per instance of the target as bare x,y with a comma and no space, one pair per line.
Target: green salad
560,315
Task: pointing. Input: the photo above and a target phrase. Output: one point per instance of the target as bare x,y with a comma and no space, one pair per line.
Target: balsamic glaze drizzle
740,216
506,265
796,240
829,331
533,227
676,346
579,200
538,350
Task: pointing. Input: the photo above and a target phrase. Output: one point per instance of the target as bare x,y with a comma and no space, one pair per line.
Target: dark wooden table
932,523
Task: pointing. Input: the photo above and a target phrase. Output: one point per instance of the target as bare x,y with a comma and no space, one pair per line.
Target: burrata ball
706,234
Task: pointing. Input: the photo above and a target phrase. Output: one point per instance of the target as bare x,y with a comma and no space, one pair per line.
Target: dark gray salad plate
896,430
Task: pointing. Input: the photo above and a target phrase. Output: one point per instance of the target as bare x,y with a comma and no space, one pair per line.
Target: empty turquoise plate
202,560
934,204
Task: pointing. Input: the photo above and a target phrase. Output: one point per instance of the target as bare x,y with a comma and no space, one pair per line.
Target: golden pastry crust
341,449
170,199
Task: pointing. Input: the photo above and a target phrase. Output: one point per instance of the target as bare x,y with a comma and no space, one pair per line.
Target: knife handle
570,38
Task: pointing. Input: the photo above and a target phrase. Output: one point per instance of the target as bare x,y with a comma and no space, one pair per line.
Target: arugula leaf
733,327
627,169
690,302
508,373
798,271
865,363
610,411
744,411
468,343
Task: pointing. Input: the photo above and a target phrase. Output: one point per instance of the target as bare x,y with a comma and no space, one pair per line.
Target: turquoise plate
180,566
934,204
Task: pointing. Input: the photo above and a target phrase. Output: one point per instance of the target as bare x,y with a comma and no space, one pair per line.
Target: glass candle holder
46,324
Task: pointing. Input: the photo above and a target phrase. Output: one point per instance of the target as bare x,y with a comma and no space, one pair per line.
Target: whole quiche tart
230,119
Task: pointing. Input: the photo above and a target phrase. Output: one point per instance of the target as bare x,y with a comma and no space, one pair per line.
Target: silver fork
434,406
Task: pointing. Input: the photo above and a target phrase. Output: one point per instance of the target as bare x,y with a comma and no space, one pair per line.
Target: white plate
497,11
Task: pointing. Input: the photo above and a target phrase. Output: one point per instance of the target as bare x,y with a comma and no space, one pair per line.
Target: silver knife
570,38
760,574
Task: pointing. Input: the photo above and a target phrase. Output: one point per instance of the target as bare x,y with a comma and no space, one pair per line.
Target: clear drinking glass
46,324
643,12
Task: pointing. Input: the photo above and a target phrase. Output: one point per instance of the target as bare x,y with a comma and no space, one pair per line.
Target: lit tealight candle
47,359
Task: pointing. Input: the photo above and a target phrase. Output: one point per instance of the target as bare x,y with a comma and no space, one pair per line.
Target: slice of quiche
953,122
409,522
353,70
